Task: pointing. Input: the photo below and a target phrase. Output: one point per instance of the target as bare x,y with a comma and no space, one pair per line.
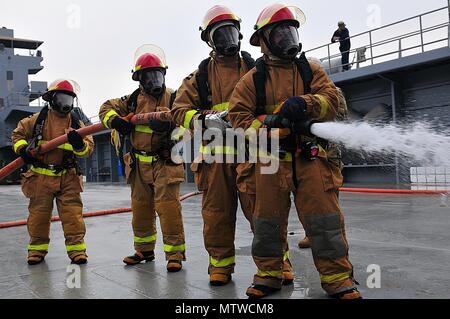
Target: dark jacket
344,36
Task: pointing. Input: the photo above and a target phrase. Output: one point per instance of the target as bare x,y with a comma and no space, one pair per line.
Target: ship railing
20,50
418,34
23,99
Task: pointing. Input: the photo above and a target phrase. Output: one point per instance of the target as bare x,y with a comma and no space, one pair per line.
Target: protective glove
161,126
294,109
276,121
26,156
215,121
122,126
75,140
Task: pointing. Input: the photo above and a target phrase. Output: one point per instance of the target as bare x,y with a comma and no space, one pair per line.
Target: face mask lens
284,41
226,40
153,82
63,102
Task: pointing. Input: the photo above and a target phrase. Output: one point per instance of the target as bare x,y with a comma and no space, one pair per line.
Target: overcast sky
93,42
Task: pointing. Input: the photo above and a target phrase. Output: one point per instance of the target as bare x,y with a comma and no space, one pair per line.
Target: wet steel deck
407,236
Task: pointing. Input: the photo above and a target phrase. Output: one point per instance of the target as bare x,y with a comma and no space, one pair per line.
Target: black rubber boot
139,257
260,291
80,259
35,260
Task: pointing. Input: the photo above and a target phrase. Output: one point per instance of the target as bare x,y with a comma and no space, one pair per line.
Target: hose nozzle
303,127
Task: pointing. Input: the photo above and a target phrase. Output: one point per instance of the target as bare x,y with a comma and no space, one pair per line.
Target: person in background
342,35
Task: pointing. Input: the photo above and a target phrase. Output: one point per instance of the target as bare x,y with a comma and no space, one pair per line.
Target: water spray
418,141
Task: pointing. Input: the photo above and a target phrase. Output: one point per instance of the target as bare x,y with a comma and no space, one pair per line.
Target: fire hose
116,211
184,197
140,119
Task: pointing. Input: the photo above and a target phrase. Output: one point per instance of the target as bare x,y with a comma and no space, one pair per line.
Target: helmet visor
226,40
152,81
152,49
284,41
62,102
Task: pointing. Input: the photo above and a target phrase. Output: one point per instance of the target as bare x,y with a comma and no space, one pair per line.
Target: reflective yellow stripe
68,147
324,106
64,147
274,273
188,118
143,129
221,107
222,263
172,249
329,279
287,157
18,144
47,172
146,159
286,256
43,247
82,153
322,152
108,116
79,247
250,134
178,134
145,240
228,150
256,124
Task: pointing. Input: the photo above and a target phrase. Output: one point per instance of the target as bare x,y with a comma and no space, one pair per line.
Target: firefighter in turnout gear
155,180
56,174
203,98
298,91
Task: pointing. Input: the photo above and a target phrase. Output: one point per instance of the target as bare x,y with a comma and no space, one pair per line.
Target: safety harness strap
248,60
260,78
132,101
306,72
204,90
69,161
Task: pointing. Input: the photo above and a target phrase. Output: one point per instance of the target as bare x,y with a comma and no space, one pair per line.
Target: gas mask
153,81
62,102
226,39
283,41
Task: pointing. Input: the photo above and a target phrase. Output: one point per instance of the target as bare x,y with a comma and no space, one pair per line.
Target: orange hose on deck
23,222
393,191
184,197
